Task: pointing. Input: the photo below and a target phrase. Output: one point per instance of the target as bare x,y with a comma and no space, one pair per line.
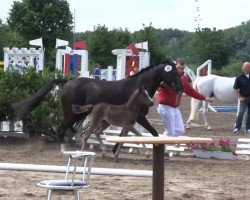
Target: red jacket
167,95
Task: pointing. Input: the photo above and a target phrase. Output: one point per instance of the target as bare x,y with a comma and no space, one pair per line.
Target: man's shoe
247,131
236,130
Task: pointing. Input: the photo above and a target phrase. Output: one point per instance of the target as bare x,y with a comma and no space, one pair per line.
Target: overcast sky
132,14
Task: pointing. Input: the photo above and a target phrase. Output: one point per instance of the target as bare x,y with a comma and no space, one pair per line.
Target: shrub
17,84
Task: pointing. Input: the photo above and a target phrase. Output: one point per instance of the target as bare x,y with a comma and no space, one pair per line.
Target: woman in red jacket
169,102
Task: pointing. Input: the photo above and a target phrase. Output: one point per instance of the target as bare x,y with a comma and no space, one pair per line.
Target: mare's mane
147,68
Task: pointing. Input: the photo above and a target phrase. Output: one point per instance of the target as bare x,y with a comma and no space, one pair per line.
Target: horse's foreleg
86,137
193,112
61,132
143,145
204,114
103,126
117,144
116,153
67,123
102,146
142,120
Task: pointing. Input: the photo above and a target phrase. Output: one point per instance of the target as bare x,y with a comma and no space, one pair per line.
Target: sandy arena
186,177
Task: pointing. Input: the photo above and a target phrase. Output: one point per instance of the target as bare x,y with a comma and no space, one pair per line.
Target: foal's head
141,96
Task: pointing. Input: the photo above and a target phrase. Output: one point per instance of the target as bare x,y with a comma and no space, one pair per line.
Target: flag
36,42
142,45
133,49
60,43
68,48
80,45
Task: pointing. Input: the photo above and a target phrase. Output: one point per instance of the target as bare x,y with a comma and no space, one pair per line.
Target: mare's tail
25,106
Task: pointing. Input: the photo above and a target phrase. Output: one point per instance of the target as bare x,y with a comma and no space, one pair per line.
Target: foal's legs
133,130
98,135
114,150
118,146
142,120
95,127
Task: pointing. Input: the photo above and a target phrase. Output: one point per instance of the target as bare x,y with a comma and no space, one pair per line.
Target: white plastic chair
72,182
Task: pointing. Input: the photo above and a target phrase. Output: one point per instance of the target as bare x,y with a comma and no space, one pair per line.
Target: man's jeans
239,119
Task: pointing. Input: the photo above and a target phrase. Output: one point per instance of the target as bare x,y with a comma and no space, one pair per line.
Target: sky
132,14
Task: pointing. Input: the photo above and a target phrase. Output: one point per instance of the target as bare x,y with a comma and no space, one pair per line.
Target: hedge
17,84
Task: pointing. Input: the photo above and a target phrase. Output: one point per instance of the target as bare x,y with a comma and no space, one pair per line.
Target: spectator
242,90
97,71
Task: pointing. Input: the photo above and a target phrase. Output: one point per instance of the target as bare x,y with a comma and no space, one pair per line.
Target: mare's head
171,76
142,97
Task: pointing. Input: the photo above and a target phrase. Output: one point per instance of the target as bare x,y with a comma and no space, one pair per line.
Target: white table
158,155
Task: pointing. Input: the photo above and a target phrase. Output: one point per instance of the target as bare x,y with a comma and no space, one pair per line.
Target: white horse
218,87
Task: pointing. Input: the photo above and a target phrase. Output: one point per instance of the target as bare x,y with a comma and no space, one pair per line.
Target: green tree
173,41
231,70
121,38
211,44
187,48
49,19
82,36
4,38
241,40
157,53
100,45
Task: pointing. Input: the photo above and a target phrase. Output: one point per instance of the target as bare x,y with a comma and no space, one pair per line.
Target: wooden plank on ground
243,146
243,152
14,134
247,140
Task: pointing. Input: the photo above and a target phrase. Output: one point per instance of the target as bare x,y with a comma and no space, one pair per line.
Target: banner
36,42
142,45
60,43
133,49
80,45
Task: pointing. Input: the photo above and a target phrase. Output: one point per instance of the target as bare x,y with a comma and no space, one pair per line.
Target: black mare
84,91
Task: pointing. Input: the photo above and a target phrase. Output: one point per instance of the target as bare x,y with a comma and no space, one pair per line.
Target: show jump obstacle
24,57
71,61
131,60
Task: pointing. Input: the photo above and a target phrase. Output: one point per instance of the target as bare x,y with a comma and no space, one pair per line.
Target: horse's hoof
113,151
130,150
103,155
63,147
187,126
209,128
116,158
